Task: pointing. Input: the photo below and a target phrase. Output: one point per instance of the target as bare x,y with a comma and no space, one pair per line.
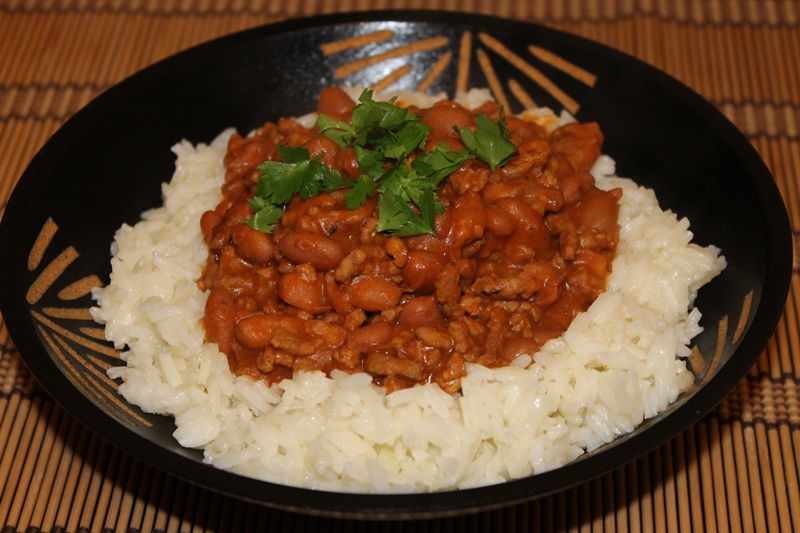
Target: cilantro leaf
489,141
399,145
440,162
396,217
402,181
265,217
296,154
362,187
334,180
394,117
427,209
355,197
369,161
383,137
367,116
338,130
277,182
296,174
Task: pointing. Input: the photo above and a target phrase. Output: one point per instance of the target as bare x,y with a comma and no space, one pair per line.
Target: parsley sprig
383,136
490,141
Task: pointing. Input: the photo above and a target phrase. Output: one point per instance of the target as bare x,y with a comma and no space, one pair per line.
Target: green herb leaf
396,217
383,136
277,184
403,182
296,154
489,141
399,145
427,203
355,198
297,174
265,217
440,162
369,161
338,130
362,187
334,180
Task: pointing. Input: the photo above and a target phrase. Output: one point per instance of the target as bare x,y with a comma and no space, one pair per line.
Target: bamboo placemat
736,470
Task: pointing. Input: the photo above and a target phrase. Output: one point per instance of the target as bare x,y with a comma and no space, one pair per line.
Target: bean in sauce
517,254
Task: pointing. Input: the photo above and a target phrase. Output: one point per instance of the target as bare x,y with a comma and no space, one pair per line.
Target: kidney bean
347,163
253,245
208,222
435,338
421,311
321,252
220,319
231,263
468,220
421,270
239,212
543,199
444,116
334,101
245,154
322,146
373,293
334,335
304,290
255,332
573,184
517,346
576,146
598,211
373,336
498,221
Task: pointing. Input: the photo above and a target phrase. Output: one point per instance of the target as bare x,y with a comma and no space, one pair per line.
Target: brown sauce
517,254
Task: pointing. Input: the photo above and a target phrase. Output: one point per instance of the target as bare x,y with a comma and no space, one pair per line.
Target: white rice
619,363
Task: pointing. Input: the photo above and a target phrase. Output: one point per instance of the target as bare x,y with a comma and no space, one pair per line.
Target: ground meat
518,253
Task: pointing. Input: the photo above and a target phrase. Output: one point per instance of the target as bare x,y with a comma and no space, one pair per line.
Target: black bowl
105,166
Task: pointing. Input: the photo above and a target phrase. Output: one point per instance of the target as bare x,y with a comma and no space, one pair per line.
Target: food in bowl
368,331
403,242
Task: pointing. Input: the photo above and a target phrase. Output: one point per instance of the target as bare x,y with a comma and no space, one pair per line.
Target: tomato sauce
517,254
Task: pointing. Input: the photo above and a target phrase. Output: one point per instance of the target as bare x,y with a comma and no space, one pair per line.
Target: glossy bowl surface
105,166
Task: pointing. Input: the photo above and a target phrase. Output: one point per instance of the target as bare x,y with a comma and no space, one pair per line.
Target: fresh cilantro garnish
489,141
362,187
365,186
340,131
399,145
298,173
383,136
405,183
370,161
440,162
396,217
265,217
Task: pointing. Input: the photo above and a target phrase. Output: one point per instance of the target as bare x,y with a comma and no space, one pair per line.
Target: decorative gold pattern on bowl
484,60
83,355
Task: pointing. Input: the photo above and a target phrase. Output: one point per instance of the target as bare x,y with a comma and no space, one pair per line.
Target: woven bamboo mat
736,470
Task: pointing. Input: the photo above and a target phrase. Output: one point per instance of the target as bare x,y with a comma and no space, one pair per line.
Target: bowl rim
429,505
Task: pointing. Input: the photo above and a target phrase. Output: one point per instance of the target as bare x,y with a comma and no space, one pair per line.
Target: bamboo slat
737,470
